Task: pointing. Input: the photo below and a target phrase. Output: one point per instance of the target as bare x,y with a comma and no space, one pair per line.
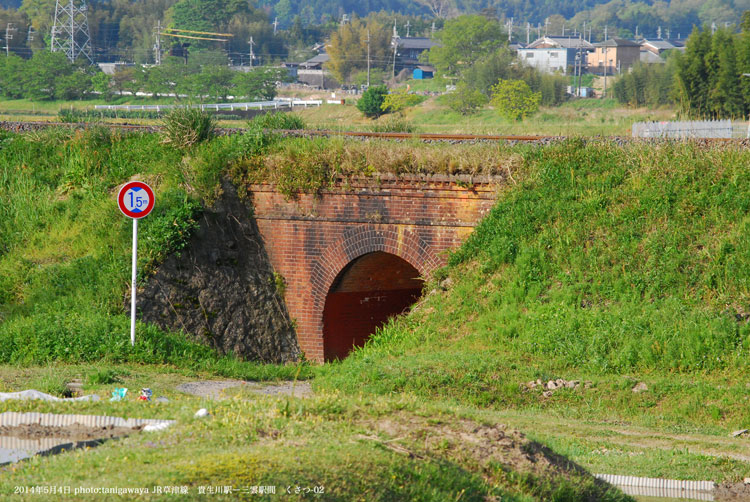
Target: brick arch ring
362,240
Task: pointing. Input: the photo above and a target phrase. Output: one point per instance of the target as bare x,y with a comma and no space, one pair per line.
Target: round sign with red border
136,199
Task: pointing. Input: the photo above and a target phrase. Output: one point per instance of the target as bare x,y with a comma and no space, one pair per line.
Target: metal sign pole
136,200
132,294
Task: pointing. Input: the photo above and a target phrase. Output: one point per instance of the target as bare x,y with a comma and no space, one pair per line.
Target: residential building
552,60
408,50
568,42
613,56
311,72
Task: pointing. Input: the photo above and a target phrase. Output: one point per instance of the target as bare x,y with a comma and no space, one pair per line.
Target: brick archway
359,241
313,237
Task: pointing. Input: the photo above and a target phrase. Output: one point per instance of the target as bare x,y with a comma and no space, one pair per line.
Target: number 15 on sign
136,200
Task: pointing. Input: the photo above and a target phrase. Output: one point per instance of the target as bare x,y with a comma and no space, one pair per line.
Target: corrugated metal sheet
12,419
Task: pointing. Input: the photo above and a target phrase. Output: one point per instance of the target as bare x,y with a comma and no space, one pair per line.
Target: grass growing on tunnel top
614,264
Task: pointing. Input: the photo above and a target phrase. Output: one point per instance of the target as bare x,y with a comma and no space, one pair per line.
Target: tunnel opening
364,295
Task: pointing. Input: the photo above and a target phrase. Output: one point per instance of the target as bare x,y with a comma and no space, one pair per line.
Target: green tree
260,83
399,100
102,83
463,41
214,80
371,102
12,77
465,99
348,48
514,99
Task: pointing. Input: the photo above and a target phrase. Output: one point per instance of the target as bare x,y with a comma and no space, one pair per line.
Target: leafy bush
278,120
103,376
371,102
514,99
184,127
71,115
399,100
393,124
465,99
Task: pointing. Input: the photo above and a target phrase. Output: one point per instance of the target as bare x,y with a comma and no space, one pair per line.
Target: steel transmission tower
70,31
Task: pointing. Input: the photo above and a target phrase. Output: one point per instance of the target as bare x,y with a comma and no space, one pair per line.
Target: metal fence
687,129
255,105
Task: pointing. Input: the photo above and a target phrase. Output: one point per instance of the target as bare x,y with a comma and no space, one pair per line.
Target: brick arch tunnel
364,295
321,242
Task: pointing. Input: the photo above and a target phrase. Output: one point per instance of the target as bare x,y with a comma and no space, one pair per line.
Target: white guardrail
255,105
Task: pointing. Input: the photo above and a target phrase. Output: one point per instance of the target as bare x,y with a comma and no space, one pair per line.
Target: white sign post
136,200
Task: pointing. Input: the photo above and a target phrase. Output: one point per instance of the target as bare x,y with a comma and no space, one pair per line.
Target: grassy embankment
608,264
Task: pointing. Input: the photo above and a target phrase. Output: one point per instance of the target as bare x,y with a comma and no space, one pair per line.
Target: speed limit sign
136,199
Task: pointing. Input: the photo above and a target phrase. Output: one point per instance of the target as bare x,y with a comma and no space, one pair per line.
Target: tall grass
64,246
603,260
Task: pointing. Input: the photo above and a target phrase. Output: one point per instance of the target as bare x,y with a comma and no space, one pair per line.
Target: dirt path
214,389
737,448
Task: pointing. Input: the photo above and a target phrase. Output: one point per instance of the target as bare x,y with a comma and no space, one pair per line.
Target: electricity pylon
70,31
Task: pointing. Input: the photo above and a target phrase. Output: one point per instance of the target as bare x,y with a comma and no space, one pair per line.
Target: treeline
473,50
708,80
649,85
49,75
124,30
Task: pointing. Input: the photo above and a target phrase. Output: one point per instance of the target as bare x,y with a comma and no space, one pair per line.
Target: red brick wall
311,239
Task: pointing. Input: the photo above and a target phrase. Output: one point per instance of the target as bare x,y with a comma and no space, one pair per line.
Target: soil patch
74,432
214,389
495,450
731,492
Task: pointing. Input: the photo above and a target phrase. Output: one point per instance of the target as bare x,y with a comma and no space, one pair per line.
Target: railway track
22,127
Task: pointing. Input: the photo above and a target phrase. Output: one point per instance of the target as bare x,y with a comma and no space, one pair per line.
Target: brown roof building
613,56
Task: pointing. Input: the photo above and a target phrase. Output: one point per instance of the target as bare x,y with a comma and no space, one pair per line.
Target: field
590,117
621,267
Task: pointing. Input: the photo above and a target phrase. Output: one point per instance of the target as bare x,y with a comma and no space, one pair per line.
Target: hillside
619,267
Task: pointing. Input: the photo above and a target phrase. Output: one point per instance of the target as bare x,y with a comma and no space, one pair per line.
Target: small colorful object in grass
119,394
145,395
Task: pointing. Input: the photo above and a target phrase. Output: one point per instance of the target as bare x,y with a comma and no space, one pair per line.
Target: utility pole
668,34
275,24
157,45
408,23
528,32
368,58
510,29
538,30
605,61
636,32
432,32
658,33
546,24
580,62
562,34
252,53
9,28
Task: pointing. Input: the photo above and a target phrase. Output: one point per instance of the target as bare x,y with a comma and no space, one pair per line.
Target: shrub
184,127
465,100
371,102
393,125
278,120
514,99
399,100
